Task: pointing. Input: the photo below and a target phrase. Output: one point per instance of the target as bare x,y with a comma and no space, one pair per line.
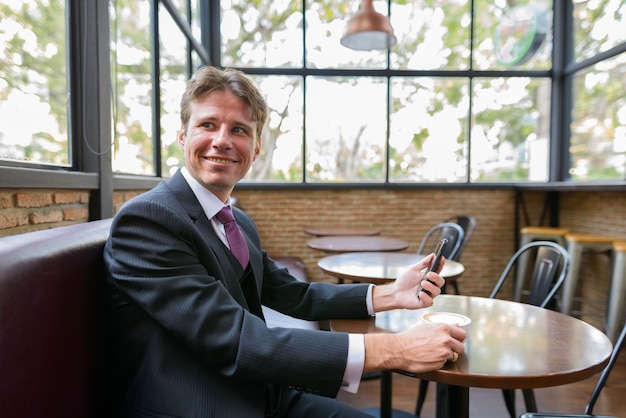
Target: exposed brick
12,218
46,216
75,213
66,197
33,200
6,200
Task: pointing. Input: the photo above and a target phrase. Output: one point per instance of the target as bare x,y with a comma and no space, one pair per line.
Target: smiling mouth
219,160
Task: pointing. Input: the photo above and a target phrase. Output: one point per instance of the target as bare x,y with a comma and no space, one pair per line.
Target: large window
441,106
482,91
598,119
34,96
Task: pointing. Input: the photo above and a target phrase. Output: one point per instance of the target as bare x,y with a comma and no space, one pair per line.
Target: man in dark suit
187,331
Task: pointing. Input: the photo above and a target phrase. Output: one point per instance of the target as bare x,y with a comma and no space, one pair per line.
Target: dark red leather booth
51,339
49,332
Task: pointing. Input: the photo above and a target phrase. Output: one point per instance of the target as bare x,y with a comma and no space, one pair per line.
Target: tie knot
225,215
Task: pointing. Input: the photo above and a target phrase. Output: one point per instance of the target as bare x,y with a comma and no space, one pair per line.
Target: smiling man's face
220,141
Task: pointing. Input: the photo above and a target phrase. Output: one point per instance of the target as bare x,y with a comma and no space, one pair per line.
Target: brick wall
281,216
30,210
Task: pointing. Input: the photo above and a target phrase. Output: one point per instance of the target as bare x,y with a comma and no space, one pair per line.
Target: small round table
510,345
379,267
348,243
330,230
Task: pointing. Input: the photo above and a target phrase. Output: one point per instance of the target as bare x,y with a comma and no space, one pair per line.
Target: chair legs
529,401
509,400
421,397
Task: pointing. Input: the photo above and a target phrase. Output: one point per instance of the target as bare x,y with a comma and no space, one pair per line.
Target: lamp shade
368,29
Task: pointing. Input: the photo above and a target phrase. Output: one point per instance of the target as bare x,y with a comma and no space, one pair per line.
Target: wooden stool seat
543,230
592,238
617,291
576,242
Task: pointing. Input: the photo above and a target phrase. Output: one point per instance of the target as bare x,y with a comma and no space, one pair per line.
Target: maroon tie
235,238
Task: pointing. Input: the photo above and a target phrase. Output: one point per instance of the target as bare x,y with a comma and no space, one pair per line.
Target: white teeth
219,161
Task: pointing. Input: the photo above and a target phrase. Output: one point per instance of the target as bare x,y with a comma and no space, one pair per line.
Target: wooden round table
379,267
510,346
334,230
349,243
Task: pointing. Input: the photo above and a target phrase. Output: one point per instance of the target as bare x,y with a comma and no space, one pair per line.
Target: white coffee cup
449,318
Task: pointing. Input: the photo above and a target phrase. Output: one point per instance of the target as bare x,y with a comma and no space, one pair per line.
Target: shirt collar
210,203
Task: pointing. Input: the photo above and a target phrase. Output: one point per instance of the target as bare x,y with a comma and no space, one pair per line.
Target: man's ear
257,149
181,136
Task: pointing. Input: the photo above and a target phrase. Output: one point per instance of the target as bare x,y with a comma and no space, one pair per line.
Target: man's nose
222,138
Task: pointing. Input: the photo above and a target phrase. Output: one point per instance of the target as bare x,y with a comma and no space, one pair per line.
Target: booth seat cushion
48,321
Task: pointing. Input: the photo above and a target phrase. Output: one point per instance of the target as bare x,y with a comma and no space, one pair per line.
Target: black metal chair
453,232
468,223
551,265
596,390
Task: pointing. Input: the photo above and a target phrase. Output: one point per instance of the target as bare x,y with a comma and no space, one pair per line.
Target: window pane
510,130
514,34
172,83
132,88
598,26
281,146
432,34
263,33
326,22
429,130
598,128
346,129
33,82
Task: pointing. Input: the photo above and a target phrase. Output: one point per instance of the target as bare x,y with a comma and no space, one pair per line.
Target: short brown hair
207,79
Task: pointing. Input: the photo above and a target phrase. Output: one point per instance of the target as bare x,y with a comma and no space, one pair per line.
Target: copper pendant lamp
368,30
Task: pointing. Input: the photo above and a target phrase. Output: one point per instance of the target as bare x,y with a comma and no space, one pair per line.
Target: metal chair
596,390
468,223
551,265
455,234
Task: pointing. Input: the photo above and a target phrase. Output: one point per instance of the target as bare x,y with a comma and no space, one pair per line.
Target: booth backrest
51,346
49,330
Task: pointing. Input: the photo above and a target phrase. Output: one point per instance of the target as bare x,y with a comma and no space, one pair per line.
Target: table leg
386,392
452,401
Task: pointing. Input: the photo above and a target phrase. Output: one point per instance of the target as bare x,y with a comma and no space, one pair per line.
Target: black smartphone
434,265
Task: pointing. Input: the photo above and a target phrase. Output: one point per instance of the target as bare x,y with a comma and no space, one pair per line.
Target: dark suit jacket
183,341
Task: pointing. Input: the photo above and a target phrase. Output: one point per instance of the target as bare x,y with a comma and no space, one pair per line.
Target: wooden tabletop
326,230
510,345
379,267
348,243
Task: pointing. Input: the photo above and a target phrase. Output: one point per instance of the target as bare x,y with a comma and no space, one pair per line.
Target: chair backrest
551,265
468,223
449,230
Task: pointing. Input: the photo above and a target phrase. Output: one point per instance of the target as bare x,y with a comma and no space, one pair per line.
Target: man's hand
421,349
403,292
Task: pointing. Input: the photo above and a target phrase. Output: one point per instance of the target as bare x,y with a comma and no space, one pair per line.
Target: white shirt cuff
356,353
369,301
356,362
